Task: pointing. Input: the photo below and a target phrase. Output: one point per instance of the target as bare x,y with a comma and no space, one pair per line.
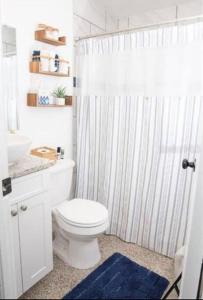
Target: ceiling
124,8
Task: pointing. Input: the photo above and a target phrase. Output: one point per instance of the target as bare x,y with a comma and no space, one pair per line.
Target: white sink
18,147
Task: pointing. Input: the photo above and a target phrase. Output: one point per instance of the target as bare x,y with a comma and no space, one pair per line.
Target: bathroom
101,134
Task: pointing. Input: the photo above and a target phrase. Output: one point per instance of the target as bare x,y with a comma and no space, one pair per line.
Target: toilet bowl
77,223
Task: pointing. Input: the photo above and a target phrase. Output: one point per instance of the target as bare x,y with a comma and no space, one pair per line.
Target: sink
18,147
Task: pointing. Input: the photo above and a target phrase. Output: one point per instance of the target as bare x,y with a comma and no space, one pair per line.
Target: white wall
102,18
45,126
188,9
94,14
3,159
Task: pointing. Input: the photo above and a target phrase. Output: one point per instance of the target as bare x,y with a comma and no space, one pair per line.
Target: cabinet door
35,229
16,248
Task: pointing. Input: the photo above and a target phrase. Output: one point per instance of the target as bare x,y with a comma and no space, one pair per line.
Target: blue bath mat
120,278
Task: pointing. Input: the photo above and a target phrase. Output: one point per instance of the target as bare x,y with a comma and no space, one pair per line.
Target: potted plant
59,94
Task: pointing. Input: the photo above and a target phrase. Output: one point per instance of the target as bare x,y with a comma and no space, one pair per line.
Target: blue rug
120,278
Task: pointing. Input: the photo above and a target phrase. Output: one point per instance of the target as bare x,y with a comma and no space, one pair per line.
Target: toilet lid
83,213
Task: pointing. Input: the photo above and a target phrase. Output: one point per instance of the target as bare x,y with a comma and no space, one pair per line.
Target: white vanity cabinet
31,225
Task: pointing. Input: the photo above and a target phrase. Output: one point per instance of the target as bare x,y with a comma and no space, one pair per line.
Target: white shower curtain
138,113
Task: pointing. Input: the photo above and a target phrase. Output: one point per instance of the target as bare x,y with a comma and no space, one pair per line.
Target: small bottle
36,55
57,63
62,153
58,153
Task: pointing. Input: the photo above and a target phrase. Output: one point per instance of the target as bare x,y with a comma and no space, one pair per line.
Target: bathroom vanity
30,222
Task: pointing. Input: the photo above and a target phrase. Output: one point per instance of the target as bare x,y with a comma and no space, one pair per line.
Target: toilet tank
61,176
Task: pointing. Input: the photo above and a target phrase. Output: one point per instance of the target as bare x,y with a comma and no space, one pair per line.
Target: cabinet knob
23,208
14,213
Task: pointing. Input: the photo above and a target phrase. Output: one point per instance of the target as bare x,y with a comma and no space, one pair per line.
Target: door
7,278
35,230
194,251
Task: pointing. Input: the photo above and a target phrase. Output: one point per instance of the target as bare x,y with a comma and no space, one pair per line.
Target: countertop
28,165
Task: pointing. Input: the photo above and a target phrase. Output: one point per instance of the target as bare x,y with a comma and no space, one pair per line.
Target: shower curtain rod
140,28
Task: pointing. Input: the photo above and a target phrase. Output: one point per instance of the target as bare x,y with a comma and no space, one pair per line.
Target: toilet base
80,252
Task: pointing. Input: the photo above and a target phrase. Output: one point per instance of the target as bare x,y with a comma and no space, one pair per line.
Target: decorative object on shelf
49,35
44,59
60,94
32,101
36,55
45,152
35,67
64,67
44,98
44,64
62,153
52,34
58,153
57,63
49,63
52,67
69,100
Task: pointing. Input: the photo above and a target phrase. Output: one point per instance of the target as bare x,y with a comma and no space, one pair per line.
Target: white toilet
76,223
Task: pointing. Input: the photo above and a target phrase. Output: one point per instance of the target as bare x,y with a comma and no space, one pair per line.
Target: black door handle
6,186
186,164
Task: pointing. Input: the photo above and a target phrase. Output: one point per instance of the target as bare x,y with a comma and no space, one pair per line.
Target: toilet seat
78,223
82,213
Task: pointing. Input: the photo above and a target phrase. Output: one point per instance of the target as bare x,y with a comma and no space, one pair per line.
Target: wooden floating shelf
40,35
39,57
35,68
50,73
51,105
32,101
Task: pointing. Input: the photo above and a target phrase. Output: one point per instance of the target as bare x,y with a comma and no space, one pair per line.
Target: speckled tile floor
63,278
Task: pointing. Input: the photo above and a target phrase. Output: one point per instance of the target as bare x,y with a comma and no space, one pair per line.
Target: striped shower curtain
138,114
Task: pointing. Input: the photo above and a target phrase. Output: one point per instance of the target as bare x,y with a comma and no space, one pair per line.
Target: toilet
77,223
